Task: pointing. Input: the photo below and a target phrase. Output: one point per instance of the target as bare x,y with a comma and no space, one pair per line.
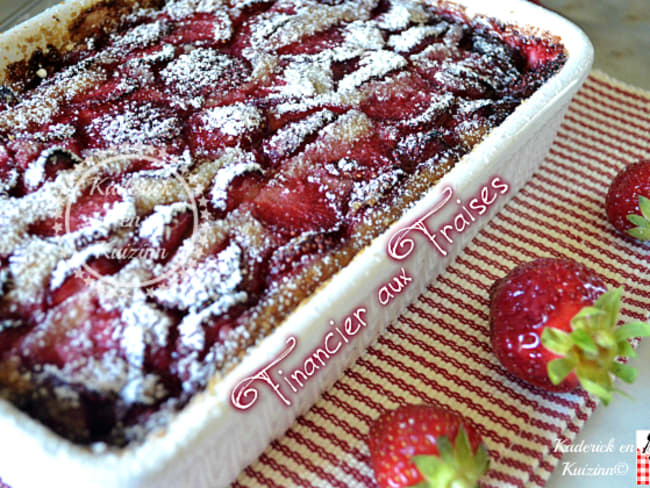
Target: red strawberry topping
295,206
80,330
424,444
628,200
553,325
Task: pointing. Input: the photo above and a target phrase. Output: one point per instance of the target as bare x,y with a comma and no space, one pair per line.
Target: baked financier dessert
256,146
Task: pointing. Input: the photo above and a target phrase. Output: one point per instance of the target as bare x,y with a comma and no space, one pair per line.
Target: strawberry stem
456,466
593,345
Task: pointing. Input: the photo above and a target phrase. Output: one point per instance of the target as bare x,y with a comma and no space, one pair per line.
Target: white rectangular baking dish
210,442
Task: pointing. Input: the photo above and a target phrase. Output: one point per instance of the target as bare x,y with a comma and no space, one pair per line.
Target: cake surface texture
182,175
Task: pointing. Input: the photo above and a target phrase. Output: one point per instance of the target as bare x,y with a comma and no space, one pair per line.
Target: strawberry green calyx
642,222
456,466
591,348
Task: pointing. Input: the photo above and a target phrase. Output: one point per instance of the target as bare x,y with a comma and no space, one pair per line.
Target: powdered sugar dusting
154,227
306,78
153,323
202,68
402,13
214,280
219,191
30,267
232,119
290,138
366,193
35,172
372,65
140,36
66,267
364,34
407,40
180,9
136,124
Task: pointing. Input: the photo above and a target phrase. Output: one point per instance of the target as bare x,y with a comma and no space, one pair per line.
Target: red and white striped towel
438,351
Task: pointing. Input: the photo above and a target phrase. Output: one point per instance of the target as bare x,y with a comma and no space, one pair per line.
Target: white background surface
620,31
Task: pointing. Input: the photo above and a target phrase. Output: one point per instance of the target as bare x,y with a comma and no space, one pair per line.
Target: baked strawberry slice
110,91
420,147
243,188
553,324
295,206
295,254
24,150
193,32
425,446
158,240
402,96
101,266
628,200
10,335
93,205
78,331
201,29
372,151
218,127
315,43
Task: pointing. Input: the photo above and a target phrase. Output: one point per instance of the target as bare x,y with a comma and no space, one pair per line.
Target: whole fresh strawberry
628,200
427,447
553,324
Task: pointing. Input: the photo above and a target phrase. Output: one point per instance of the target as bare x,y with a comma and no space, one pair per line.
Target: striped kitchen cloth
438,350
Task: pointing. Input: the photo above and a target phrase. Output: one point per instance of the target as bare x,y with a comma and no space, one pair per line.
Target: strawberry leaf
463,449
558,369
597,343
633,329
595,388
644,205
586,314
583,340
456,466
605,338
482,459
446,449
641,233
625,372
610,303
435,471
428,465
638,220
625,350
556,340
